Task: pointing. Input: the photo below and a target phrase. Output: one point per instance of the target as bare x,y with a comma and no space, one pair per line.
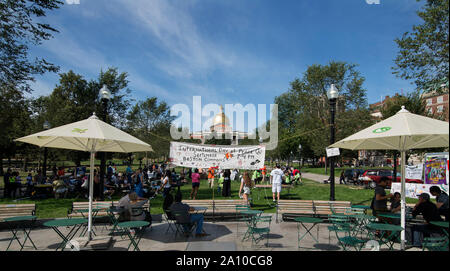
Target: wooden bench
76,206
316,208
216,208
12,210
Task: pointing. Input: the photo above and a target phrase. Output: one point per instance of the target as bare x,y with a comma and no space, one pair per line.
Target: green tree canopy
424,52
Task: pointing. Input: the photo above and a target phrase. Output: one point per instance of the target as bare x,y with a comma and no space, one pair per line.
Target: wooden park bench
75,210
216,208
13,210
315,208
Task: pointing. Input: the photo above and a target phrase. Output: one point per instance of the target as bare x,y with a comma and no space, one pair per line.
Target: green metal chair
260,229
342,224
435,243
240,208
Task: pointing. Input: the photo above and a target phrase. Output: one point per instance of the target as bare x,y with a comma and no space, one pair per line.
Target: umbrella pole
91,192
403,201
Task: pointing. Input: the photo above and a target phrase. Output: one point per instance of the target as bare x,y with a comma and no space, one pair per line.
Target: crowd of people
429,210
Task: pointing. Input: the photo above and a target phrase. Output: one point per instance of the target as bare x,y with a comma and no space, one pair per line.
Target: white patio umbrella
402,132
90,135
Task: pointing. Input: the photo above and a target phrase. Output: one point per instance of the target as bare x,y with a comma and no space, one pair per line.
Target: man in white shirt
276,177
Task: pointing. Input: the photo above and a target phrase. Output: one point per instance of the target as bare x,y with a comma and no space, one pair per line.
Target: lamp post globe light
46,126
299,155
105,96
332,95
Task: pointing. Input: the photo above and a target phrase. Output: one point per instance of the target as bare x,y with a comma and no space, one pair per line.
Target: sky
226,51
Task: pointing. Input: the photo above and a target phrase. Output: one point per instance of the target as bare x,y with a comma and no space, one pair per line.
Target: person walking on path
276,178
246,186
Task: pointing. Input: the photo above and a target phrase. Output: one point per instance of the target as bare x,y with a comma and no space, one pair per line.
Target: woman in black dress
226,192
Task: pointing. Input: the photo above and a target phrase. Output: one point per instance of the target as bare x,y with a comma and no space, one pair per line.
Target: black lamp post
105,95
332,94
299,155
46,126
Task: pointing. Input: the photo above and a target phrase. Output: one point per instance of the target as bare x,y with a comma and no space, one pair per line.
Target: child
220,184
287,177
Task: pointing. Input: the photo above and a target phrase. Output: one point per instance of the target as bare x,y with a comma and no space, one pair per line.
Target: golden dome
221,119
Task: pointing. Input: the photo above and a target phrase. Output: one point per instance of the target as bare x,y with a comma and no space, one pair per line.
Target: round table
309,220
134,231
362,221
384,237
74,223
25,227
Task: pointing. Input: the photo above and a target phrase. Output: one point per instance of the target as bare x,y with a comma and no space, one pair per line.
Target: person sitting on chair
127,203
441,201
181,212
430,213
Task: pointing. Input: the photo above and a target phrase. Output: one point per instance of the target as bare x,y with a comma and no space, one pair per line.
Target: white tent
90,135
402,132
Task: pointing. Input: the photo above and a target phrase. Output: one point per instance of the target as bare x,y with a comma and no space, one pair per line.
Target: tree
304,110
150,121
413,102
19,29
75,99
424,53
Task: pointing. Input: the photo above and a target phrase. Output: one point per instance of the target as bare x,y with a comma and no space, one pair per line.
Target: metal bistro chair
183,227
435,243
260,229
240,208
170,221
341,224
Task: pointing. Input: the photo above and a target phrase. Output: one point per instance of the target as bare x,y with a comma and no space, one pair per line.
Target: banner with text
223,157
413,190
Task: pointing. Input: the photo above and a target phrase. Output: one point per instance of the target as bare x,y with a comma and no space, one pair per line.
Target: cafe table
388,233
74,224
307,220
363,207
134,230
23,223
361,221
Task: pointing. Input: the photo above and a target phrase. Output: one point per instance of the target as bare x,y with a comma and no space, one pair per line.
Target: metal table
310,220
389,233
74,223
25,227
134,231
361,221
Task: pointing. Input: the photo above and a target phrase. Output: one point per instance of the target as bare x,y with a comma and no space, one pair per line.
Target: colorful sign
413,190
436,171
224,157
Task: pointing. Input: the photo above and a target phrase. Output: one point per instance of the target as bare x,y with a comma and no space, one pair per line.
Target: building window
430,110
440,109
440,99
429,101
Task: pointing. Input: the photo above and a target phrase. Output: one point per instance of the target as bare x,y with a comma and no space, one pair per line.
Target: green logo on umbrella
81,131
382,130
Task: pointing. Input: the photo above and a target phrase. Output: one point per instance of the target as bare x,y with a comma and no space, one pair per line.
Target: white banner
414,172
413,190
223,157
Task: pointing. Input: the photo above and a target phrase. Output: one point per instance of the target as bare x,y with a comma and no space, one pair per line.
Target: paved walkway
318,177
225,236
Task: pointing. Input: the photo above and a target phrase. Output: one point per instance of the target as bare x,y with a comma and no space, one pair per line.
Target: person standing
380,198
211,177
246,186
166,183
6,177
226,183
195,176
276,178
441,201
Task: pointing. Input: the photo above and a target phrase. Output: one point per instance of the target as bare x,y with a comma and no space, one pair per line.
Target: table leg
308,231
14,232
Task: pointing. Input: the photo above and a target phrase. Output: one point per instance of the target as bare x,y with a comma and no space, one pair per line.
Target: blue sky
227,51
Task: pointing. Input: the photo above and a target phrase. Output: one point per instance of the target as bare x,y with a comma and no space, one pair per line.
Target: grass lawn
262,199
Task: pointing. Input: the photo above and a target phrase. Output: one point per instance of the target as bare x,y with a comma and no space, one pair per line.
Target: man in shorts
276,177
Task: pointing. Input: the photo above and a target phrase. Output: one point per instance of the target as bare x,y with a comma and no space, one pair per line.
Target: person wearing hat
430,213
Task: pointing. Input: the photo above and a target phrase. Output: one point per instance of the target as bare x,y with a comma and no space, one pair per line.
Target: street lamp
46,126
332,94
299,155
105,95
